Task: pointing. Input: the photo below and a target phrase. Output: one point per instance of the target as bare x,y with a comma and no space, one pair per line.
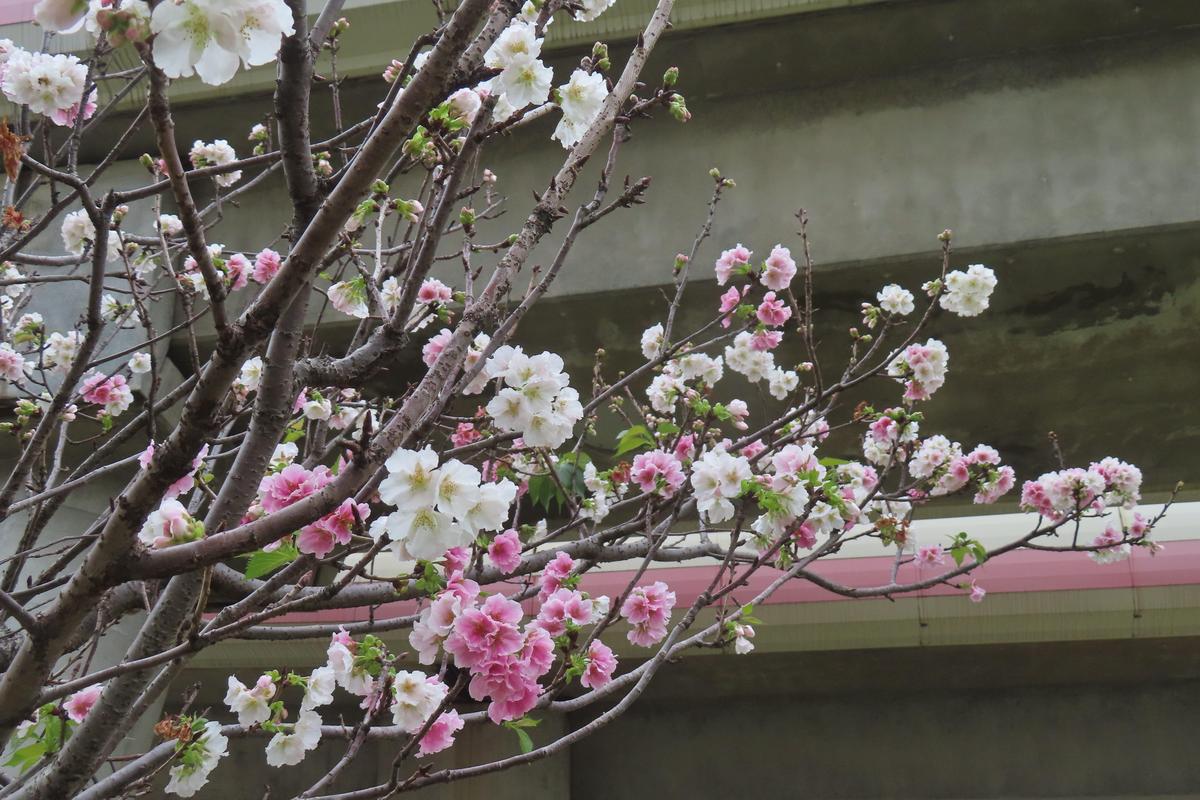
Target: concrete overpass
1060,141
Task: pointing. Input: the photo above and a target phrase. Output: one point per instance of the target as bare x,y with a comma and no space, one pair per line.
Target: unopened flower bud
678,108
393,71
671,77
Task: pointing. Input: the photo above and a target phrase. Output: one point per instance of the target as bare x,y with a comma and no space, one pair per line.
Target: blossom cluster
944,467
49,84
536,399
648,610
505,658
1107,483
438,507
289,484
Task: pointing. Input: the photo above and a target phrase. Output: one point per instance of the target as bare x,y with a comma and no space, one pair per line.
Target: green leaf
544,492
523,722
262,562
430,582
53,737
570,473
748,616
25,757
295,431
832,462
633,439
518,727
667,428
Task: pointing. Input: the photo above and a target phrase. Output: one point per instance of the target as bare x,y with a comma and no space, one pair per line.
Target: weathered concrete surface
1064,720
884,149
1062,159
1090,337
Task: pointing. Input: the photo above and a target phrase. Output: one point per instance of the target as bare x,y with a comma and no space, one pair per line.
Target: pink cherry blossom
465,589
764,340
505,551
455,560
434,291
729,261
337,527
805,535
957,473
931,556
557,571
538,652
647,634
779,269
79,704
562,607
510,686
434,347
648,609
772,311
754,448
441,733
992,490
67,116
111,392
237,269
977,593
147,456
485,633
685,448
885,430
601,664
291,485
171,523
464,434
12,364
657,472
794,458
729,301
266,264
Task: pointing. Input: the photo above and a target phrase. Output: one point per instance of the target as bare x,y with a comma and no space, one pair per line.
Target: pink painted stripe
1022,571
13,11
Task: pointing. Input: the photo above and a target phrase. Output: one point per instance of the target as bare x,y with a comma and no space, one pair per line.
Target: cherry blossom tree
288,475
